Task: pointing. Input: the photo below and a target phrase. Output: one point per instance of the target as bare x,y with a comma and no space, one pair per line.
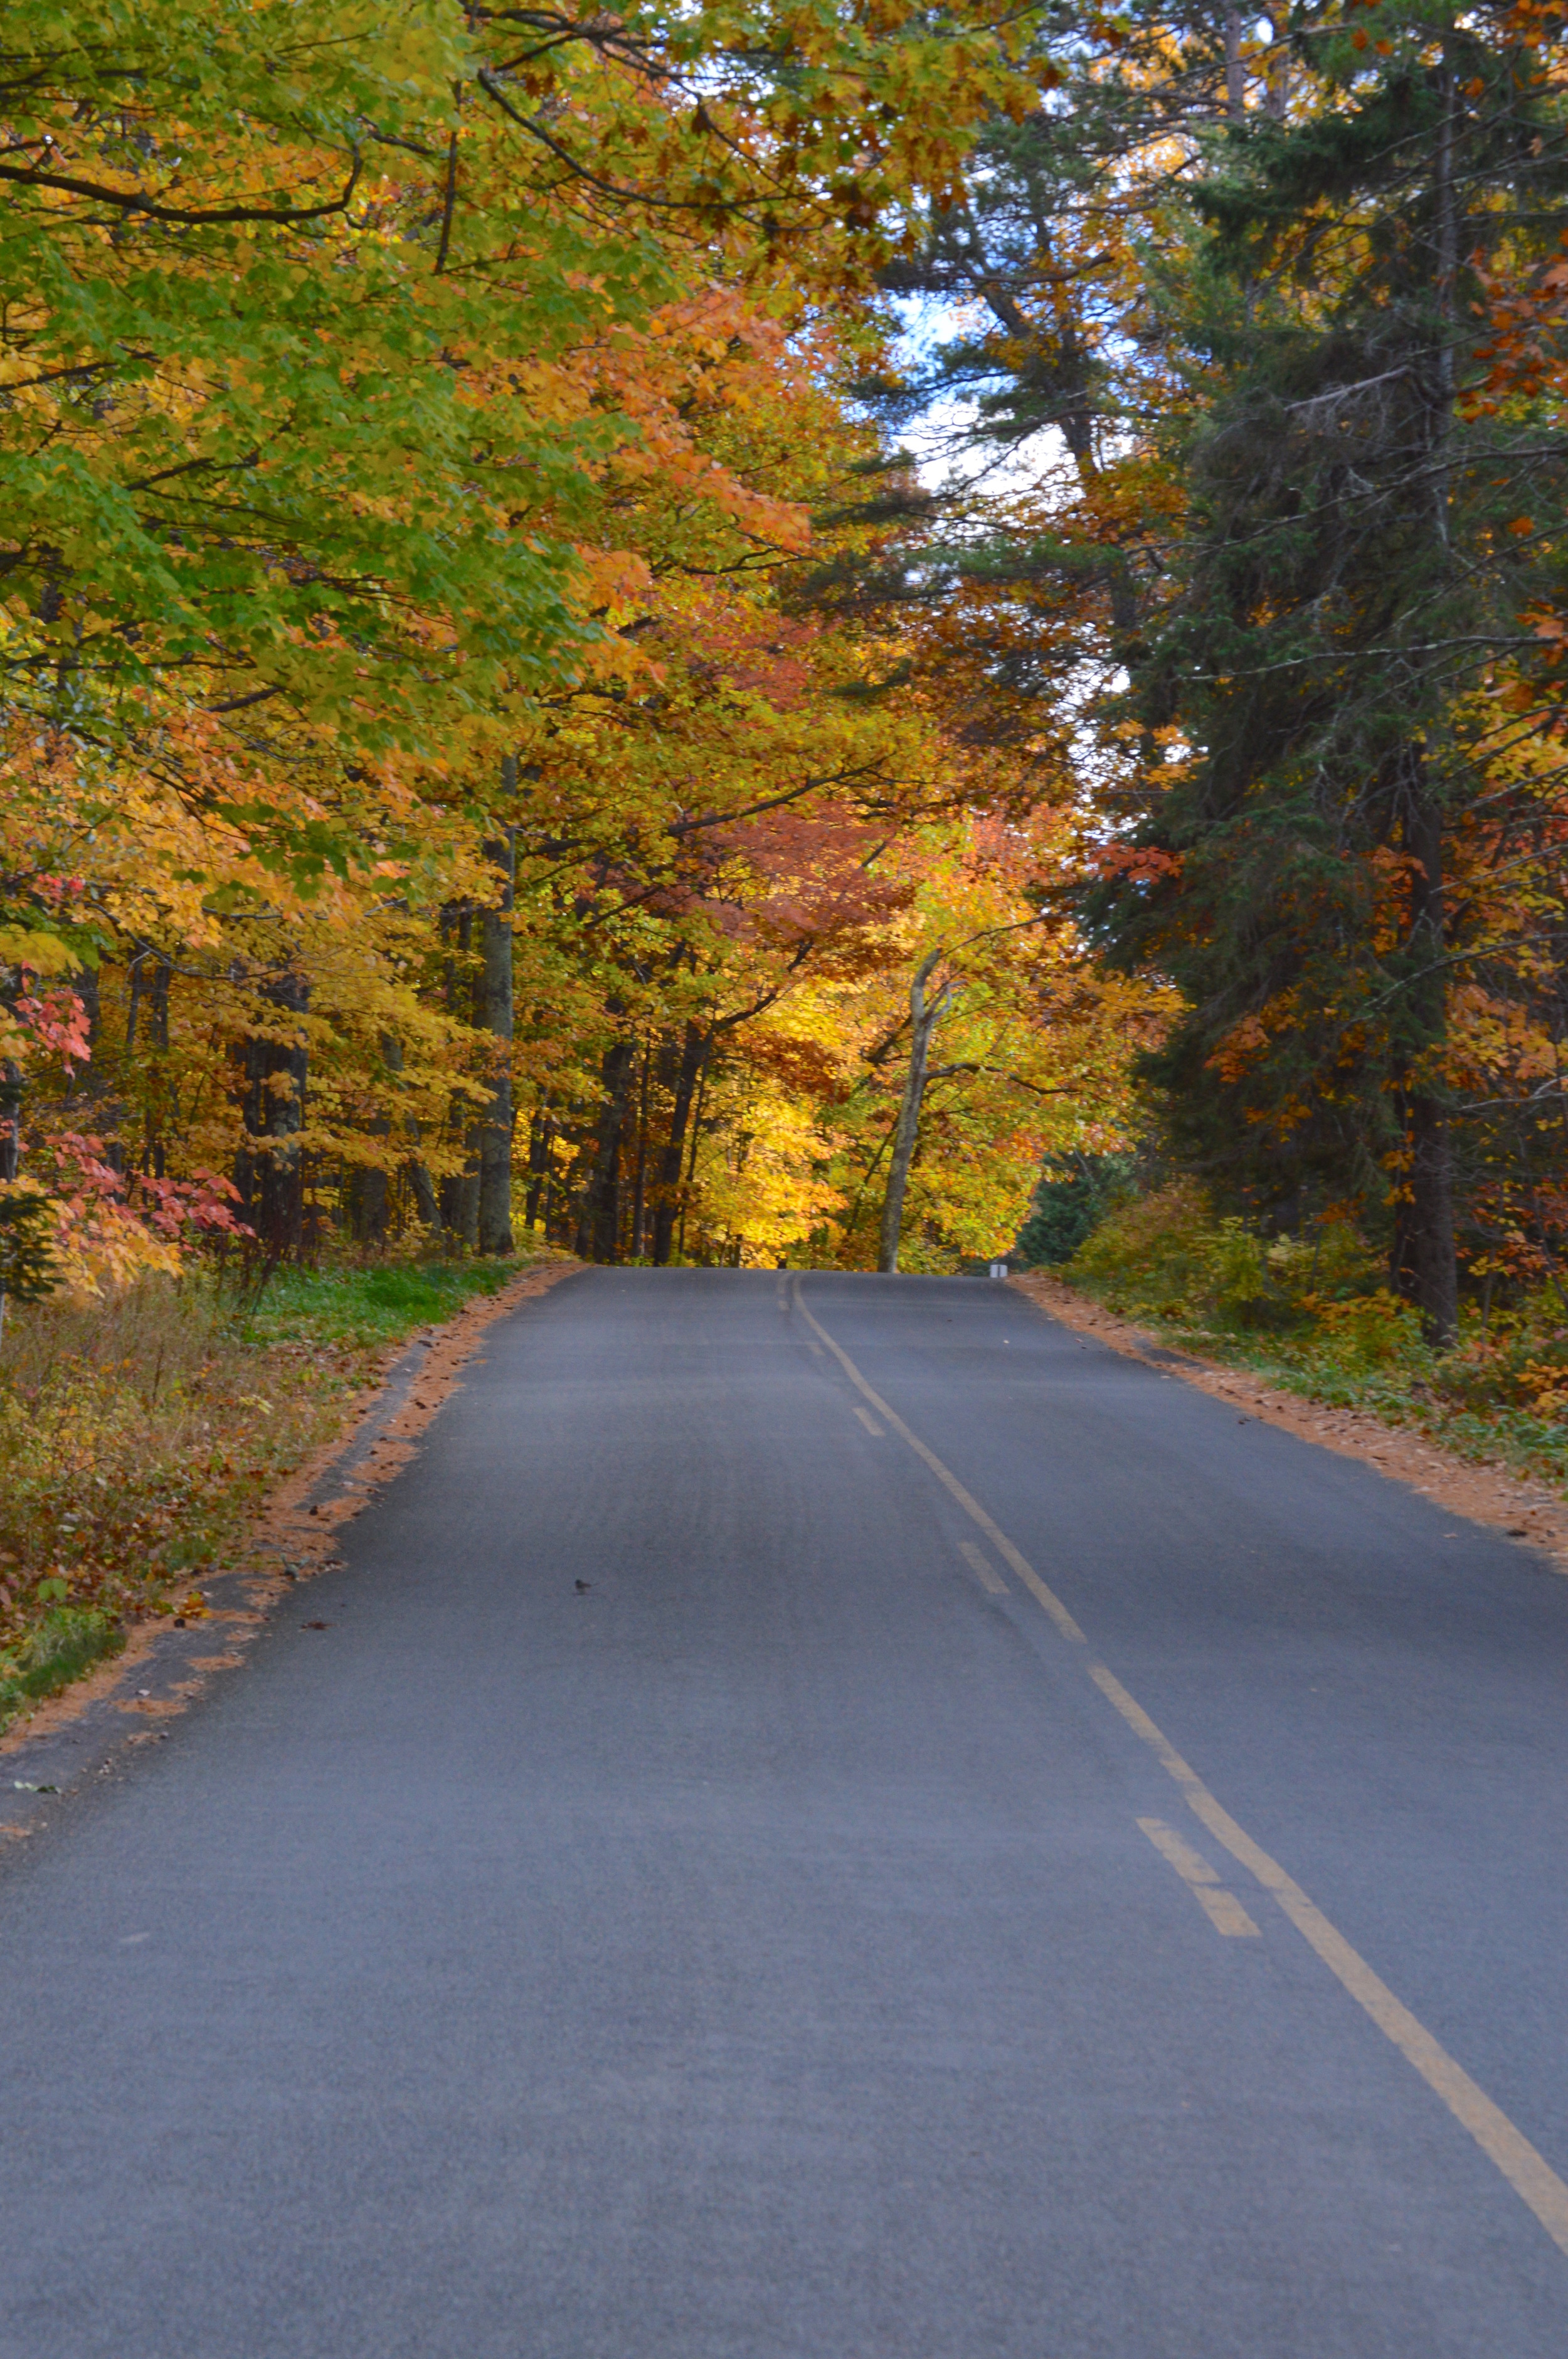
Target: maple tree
409,421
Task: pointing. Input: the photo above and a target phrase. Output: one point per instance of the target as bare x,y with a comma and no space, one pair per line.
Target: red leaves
1140,863
57,1021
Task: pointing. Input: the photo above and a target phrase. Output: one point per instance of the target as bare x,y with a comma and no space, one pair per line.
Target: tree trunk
268,1169
598,1223
1425,1260
666,1189
158,1004
1234,73
495,1015
1433,1274
460,1203
459,1190
639,1184
156,989
695,1139
365,1201
10,1118
148,976
541,1131
10,1144
423,1188
1432,1186
367,1193
84,982
1277,97
133,1001
922,1023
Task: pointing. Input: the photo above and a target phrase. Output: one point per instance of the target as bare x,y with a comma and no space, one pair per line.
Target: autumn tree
342,375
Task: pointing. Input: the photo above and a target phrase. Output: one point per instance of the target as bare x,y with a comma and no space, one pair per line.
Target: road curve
830,1819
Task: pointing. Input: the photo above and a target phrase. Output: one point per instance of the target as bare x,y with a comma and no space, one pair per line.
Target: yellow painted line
1223,1910
868,1421
971,1506
1529,2173
988,1574
1189,1865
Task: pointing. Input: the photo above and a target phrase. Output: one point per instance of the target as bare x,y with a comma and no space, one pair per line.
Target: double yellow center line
1527,2171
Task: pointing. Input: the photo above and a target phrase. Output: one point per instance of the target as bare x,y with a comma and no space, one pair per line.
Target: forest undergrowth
138,1435
1313,1314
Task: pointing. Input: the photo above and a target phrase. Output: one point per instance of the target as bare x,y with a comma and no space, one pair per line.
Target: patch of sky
990,483
943,423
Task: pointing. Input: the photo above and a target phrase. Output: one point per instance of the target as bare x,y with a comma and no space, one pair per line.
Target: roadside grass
1312,1315
63,1643
359,1309
138,1436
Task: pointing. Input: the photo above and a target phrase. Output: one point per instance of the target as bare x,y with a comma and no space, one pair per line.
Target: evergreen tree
1350,586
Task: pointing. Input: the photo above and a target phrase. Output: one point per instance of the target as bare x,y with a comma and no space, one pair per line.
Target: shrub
1313,1312
1167,1256
1074,1196
138,1433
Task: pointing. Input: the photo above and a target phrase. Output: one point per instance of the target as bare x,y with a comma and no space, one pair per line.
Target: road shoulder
169,1660
1485,1494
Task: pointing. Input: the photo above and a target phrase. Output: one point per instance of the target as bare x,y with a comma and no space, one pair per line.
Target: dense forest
714,634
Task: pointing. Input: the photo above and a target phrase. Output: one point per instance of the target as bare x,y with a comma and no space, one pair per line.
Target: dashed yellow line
1527,2171
1223,1910
984,1571
971,1506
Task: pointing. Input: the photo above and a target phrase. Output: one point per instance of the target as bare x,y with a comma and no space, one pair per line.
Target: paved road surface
785,1948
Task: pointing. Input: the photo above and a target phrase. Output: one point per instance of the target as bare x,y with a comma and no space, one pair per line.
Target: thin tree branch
130,201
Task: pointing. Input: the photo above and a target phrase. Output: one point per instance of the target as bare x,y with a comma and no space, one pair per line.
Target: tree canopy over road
567,581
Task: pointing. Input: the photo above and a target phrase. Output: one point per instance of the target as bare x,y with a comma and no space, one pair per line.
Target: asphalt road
794,1944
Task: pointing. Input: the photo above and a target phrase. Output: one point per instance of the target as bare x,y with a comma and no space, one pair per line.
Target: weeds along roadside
1313,1315
138,1435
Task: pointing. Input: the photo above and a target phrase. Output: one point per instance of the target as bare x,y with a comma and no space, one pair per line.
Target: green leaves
27,1264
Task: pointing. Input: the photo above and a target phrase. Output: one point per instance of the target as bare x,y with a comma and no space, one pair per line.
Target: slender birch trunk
923,1020
496,1015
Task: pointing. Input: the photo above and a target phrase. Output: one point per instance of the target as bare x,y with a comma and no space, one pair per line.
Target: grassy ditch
1312,1315
138,1436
